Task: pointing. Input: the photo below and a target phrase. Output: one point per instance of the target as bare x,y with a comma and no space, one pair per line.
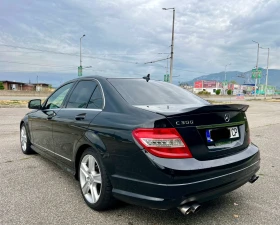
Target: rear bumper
201,187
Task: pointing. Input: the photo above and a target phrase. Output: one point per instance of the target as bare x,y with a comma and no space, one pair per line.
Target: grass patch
272,100
254,99
13,102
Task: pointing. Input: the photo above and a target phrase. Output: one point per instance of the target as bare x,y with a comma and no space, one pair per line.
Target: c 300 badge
187,122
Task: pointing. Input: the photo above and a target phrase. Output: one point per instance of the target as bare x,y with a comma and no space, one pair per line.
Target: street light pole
256,68
226,76
266,78
172,44
81,50
166,66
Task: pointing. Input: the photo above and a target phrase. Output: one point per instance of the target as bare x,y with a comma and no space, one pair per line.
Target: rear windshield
141,92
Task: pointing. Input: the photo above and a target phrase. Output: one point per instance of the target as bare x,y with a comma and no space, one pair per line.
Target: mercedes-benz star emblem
227,117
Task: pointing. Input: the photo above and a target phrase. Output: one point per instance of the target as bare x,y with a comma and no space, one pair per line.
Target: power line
193,71
19,52
40,50
76,54
157,60
93,57
59,70
32,64
134,75
70,54
127,54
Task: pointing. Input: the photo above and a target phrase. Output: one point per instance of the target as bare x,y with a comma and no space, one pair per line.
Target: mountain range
242,77
57,79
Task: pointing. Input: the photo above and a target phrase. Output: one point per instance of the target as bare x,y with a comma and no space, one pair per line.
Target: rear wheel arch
91,140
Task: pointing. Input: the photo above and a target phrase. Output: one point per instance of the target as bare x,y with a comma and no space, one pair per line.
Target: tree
1,86
233,82
218,92
229,92
183,84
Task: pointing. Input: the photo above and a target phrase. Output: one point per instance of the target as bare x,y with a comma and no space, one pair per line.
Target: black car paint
137,176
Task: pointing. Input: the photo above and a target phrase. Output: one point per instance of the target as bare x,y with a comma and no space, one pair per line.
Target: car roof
106,77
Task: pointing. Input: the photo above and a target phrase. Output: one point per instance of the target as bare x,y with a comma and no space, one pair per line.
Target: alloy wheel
23,138
90,179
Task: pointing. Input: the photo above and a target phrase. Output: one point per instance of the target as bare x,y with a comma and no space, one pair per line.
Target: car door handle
80,116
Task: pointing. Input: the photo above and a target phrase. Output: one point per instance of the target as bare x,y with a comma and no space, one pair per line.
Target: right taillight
162,142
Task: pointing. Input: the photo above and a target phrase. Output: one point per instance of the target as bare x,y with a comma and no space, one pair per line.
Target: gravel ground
33,190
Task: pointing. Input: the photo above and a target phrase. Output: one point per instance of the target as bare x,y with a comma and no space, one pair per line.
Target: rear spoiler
212,108
222,108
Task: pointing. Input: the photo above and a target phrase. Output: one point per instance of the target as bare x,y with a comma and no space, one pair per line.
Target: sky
42,38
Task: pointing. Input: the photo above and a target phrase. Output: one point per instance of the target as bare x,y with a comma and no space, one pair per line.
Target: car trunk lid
208,130
213,131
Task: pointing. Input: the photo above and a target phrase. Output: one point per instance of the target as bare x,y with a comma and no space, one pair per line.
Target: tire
95,185
25,141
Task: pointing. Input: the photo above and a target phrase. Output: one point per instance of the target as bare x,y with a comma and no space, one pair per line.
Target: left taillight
162,142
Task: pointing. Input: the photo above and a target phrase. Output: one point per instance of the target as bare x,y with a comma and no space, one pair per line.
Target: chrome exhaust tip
185,209
253,179
195,208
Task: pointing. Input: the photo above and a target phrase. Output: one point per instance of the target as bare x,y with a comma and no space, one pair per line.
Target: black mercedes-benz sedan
144,142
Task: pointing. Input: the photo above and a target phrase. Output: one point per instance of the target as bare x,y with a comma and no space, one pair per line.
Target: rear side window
141,92
96,100
81,94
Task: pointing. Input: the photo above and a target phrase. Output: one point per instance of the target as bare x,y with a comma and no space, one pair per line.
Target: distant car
145,142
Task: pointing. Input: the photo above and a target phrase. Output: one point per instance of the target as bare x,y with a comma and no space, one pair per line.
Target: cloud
122,35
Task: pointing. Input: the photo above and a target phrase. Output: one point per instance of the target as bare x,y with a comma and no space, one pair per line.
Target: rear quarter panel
111,134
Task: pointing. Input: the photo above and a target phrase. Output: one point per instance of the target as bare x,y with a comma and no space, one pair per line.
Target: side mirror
34,104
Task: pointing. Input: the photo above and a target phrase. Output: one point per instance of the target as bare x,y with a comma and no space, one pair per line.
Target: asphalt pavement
34,190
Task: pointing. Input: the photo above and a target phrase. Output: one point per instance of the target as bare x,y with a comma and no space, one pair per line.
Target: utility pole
81,68
172,44
172,48
256,68
266,78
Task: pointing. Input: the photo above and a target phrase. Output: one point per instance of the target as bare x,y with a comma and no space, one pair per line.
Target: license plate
213,135
234,132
